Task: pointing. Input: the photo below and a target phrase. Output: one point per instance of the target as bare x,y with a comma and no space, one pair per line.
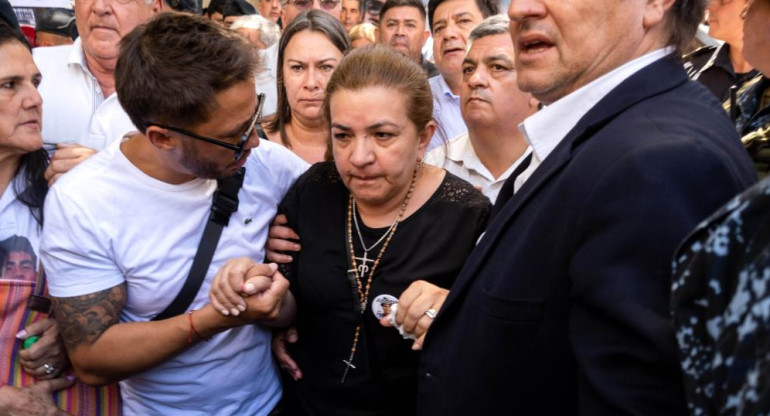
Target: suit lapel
653,80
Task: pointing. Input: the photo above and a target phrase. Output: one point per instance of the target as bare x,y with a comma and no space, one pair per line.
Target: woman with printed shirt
34,376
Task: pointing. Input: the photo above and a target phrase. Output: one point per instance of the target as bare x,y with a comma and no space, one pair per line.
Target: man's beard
404,50
194,162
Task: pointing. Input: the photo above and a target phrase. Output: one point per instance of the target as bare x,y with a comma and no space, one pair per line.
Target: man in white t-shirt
123,227
492,107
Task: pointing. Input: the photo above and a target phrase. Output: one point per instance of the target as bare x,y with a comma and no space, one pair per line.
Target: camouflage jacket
721,308
752,119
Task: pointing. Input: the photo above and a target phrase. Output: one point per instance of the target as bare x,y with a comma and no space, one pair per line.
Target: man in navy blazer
563,307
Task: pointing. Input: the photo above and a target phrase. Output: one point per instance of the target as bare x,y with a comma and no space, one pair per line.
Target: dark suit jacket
563,307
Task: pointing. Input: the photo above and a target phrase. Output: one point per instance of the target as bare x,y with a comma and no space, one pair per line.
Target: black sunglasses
237,148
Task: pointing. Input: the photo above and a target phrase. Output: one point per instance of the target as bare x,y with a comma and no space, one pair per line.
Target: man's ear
160,138
425,37
377,34
655,12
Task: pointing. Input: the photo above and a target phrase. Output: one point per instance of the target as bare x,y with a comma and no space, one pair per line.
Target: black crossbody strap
224,203
37,300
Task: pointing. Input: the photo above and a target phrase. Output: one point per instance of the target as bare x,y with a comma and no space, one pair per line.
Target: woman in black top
373,222
378,210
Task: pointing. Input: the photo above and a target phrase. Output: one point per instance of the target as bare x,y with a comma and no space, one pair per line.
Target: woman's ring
431,313
49,369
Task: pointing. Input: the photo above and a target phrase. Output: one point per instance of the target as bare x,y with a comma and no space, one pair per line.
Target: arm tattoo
83,319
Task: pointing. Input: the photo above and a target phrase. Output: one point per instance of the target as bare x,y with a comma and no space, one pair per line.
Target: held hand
264,304
279,239
66,157
413,307
229,288
280,339
46,358
34,400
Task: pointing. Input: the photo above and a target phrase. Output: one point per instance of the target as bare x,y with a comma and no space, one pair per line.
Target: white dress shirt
545,129
459,158
71,95
110,122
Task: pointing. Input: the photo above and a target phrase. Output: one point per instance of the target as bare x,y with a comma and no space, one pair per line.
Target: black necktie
506,192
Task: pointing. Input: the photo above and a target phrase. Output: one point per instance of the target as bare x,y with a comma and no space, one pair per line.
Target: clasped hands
248,290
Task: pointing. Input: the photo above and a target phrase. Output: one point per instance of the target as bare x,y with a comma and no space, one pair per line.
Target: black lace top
431,245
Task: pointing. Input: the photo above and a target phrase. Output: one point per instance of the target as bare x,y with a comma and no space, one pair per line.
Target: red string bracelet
192,329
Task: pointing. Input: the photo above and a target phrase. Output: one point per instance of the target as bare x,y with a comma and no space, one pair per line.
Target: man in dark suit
563,307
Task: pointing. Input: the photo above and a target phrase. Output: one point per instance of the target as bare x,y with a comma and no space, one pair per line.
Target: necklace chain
361,237
363,291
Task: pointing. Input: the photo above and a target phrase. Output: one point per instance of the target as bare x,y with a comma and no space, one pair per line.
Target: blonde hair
363,30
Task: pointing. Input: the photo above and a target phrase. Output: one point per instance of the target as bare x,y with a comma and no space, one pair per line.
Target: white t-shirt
17,220
107,223
459,157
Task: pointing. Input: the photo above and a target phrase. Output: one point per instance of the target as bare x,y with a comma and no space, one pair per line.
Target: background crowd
357,207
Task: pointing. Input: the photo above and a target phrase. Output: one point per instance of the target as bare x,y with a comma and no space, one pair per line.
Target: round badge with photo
382,304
